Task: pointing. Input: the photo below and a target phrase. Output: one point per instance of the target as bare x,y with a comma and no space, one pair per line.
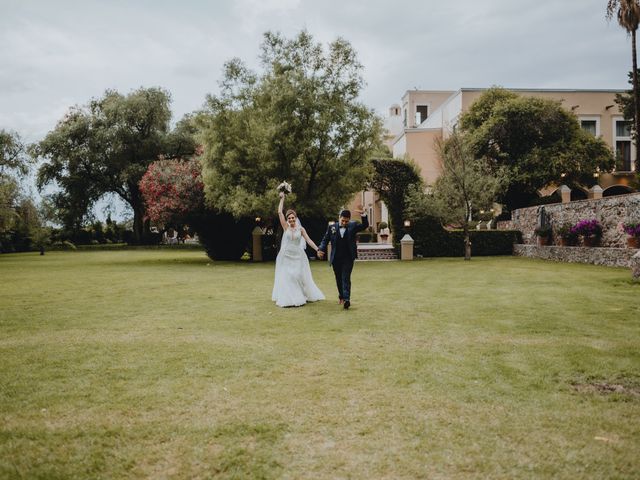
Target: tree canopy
106,147
391,180
298,120
466,186
537,140
173,191
12,154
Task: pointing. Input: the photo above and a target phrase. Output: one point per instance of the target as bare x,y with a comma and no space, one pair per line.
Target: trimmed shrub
222,236
431,240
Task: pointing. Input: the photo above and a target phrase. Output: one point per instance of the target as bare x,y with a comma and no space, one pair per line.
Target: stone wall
609,256
609,211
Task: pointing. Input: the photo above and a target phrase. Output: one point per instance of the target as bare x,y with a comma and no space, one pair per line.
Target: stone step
377,253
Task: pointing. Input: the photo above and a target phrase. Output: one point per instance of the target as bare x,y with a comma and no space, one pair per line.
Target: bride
294,285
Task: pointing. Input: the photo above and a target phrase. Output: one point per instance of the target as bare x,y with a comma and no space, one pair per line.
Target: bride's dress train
294,285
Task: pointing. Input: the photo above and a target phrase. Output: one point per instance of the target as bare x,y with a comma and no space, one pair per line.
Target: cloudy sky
59,53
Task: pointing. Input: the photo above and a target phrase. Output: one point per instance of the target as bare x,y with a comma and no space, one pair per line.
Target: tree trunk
636,100
467,241
141,227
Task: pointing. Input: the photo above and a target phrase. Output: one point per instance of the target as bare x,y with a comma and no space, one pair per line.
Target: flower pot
591,241
542,241
566,242
633,242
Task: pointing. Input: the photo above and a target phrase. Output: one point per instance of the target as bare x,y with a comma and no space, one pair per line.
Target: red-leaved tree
173,191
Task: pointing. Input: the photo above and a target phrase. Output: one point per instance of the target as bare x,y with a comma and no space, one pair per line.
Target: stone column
565,193
406,247
595,192
257,244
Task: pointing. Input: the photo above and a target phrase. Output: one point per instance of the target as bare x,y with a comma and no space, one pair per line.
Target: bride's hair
289,212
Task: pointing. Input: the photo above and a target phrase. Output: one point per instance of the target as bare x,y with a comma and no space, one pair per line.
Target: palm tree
628,15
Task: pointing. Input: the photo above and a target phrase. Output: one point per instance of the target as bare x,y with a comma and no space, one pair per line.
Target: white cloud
57,54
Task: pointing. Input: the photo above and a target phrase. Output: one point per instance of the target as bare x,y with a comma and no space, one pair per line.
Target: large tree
173,191
106,147
536,139
299,120
466,186
628,14
12,163
21,225
12,154
391,180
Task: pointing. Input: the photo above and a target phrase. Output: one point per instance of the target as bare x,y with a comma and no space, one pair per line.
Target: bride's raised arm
308,240
283,220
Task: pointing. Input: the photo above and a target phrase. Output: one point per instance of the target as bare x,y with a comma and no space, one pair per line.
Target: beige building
425,116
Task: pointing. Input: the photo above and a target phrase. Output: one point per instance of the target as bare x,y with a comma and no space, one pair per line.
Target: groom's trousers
342,271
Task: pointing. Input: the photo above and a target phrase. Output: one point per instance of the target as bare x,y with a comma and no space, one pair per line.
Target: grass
163,364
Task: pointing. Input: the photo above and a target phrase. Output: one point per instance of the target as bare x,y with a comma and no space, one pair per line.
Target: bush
222,236
543,231
588,228
565,232
431,240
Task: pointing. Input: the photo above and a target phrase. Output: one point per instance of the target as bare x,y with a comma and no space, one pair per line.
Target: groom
343,251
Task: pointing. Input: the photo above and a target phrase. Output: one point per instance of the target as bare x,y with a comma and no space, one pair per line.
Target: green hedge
120,246
222,236
431,240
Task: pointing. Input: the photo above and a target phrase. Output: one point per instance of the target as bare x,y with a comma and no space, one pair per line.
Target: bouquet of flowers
284,187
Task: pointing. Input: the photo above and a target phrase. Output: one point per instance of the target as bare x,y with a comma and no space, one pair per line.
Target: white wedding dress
294,285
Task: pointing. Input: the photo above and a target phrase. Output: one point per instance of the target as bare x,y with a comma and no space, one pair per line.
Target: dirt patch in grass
605,388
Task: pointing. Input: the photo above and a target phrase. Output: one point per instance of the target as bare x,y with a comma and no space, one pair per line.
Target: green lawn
163,364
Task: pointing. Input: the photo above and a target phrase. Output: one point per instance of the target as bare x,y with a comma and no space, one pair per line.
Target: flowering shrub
632,229
172,189
587,228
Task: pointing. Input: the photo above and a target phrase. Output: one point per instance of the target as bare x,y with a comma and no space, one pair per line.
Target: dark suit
344,251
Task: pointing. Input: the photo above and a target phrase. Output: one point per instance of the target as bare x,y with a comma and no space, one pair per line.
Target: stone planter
591,241
633,242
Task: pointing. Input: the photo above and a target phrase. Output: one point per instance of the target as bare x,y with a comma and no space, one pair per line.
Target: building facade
414,126
426,116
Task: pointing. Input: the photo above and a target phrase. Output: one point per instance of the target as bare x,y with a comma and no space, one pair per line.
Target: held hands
360,210
281,194
320,254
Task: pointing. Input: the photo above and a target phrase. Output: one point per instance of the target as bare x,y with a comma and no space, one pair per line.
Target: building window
589,126
404,120
422,111
623,145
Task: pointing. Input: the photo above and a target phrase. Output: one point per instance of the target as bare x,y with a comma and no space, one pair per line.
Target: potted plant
383,232
544,233
567,236
590,231
633,230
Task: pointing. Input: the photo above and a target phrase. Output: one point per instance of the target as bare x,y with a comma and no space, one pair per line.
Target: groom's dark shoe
346,304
